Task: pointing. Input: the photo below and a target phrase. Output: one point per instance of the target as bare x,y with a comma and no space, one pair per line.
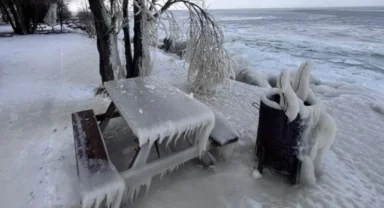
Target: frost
114,59
141,111
147,25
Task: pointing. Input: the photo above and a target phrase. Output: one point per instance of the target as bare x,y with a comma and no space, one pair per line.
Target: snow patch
151,87
256,174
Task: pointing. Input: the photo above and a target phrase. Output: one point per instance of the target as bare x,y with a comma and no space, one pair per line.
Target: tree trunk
18,17
127,43
7,16
61,17
36,15
137,39
109,61
22,15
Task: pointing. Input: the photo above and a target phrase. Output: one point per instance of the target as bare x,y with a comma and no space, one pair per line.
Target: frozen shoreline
44,79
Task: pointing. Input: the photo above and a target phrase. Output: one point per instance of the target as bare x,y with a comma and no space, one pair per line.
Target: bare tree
24,15
105,24
63,11
208,61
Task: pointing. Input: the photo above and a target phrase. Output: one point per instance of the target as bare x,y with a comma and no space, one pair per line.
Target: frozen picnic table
155,112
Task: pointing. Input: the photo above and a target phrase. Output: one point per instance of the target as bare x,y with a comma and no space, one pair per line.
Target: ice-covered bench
136,107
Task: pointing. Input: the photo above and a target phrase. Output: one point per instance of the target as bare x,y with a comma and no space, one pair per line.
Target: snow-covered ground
44,78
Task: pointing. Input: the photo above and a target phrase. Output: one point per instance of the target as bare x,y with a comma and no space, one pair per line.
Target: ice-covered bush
209,65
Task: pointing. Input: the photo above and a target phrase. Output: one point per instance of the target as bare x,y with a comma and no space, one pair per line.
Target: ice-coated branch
209,63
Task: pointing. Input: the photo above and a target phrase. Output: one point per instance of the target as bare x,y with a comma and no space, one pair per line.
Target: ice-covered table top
155,110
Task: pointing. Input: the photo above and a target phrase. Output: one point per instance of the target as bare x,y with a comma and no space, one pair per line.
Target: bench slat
88,140
223,133
97,175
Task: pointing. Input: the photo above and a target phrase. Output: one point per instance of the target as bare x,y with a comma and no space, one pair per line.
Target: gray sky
233,4
216,4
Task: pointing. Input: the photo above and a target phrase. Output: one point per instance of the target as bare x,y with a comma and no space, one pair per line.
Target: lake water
345,44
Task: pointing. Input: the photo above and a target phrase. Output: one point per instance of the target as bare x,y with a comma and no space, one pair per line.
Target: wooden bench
223,133
92,159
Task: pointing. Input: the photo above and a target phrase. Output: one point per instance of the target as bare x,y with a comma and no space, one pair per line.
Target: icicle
99,199
132,193
109,198
119,197
168,141
148,185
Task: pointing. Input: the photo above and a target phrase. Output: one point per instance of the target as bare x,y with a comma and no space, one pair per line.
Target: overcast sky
216,4
233,4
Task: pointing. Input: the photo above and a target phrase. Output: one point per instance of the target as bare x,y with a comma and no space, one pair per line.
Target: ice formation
114,59
320,128
177,113
51,16
251,77
245,74
146,64
307,170
142,174
134,189
226,151
104,185
177,116
319,133
266,99
301,81
288,98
